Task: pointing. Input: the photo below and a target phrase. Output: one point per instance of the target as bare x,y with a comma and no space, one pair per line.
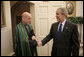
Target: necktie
59,32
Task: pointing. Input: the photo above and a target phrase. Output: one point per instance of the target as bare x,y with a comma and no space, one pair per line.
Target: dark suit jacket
67,43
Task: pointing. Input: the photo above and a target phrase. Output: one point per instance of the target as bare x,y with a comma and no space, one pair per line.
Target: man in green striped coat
25,40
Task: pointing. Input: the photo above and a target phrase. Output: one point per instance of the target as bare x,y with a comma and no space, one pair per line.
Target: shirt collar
63,22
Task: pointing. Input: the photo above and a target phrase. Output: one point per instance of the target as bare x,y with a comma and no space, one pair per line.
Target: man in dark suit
64,35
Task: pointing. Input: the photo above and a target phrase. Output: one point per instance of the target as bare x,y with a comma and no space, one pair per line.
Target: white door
44,17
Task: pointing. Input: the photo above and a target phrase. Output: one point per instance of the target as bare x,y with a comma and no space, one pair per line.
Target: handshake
39,43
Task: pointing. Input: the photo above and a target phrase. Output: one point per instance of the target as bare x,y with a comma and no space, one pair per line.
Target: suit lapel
57,27
65,27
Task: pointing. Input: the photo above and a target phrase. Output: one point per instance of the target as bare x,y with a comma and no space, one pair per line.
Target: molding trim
11,54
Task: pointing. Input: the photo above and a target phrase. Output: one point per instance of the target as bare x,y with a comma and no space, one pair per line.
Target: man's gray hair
64,11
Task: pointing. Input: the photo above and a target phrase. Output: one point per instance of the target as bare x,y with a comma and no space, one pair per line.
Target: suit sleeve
31,31
75,42
48,37
33,43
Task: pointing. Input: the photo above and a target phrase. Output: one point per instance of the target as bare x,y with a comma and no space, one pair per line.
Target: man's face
59,16
27,19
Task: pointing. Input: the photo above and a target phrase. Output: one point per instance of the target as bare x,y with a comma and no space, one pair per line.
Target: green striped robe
22,47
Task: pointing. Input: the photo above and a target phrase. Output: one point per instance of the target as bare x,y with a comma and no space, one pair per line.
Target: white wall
6,33
79,12
79,8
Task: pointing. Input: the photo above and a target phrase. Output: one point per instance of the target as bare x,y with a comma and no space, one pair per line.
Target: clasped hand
39,43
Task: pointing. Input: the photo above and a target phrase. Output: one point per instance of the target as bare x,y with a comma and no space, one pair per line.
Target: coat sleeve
31,31
48,37
16,38
33,43
75,42
17,47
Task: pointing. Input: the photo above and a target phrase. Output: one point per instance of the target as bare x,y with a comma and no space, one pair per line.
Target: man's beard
28,23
